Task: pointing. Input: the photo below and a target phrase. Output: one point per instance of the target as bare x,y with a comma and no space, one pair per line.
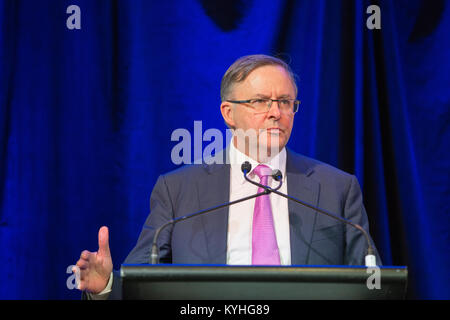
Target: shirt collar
237,158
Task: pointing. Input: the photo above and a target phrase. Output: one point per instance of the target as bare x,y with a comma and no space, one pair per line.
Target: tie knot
262,171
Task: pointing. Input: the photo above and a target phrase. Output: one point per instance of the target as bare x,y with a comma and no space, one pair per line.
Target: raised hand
96,267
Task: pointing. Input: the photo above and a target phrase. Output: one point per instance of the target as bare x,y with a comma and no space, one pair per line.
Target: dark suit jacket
316,239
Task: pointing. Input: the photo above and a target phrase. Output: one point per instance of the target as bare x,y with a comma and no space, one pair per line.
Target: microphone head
277,175
246,167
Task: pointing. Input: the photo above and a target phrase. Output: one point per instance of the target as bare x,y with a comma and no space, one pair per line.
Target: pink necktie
264,242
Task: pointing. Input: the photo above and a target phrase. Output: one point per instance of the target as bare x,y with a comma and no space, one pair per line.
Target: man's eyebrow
283,96
260,95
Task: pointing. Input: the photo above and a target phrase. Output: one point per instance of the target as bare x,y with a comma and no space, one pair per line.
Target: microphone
246,167
370,258
154,256
277,175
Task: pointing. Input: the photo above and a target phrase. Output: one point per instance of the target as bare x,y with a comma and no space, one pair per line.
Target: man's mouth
274,130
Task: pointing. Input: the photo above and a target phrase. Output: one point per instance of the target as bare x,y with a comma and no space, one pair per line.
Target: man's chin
268,151
272,142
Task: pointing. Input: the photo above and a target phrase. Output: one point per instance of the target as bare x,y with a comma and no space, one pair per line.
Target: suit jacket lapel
214,189
301,218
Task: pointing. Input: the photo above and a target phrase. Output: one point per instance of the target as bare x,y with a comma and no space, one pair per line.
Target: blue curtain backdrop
86,118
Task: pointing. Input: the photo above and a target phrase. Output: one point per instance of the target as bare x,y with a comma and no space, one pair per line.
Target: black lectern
220,282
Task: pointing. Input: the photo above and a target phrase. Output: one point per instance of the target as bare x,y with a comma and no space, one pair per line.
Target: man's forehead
266,78
268,96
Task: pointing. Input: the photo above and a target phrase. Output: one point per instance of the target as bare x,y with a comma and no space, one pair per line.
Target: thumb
103,242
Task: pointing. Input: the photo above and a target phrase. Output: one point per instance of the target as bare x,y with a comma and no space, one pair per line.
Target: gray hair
242,67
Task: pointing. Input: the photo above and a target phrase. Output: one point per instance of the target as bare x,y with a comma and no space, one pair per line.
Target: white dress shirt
240,216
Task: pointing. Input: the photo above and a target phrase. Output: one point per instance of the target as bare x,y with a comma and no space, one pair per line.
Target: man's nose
274,110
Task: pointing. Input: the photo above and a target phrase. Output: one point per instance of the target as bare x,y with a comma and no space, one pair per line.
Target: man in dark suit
259,103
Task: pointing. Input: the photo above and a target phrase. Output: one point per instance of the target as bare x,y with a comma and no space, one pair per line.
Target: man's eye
258,101
285,102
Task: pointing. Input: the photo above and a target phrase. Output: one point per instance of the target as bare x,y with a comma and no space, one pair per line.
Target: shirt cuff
105,293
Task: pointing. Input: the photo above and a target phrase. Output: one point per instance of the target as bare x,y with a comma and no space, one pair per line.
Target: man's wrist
105,293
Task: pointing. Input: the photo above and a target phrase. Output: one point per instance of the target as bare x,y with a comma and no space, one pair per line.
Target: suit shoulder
184,172
179,182
314,167
209,165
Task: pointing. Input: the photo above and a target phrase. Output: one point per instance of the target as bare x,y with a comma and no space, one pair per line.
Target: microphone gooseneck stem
370,257
154,256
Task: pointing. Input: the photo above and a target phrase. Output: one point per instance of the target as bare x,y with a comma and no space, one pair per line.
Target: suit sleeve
161,211
356,243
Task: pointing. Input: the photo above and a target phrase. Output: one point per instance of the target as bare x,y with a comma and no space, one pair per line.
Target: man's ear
227,110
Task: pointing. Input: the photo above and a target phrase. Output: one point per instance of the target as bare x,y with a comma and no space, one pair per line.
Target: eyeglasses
264,105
